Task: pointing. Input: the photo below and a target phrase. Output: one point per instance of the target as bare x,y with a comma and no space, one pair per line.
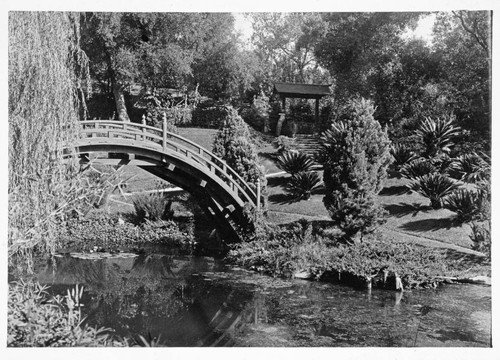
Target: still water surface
193,301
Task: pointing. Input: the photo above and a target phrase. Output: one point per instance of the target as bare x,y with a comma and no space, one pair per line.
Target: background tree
358,45
284,43
461,43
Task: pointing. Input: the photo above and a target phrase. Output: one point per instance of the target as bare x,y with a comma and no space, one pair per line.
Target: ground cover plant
285,250
104,232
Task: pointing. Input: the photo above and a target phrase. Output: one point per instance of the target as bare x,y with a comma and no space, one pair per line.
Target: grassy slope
410,217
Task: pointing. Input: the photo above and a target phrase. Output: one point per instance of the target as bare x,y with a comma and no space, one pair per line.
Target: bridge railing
152,137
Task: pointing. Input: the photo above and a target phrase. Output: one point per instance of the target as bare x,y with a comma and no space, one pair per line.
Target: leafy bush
284,144
209,115
472,168
355,212
468,204
402,155
233,145
302,184
417,168
435,187
35,319
153,206
294,162
481,237
257,115
154,117
437,135
355,156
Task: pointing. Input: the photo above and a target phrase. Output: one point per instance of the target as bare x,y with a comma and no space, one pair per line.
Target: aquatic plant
36,319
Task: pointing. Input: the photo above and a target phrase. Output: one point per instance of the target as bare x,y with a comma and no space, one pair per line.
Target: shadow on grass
267,155
403,209
283,199
429,225
277,181
460,259
394,190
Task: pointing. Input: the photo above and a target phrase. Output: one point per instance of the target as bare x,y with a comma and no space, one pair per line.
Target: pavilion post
316,113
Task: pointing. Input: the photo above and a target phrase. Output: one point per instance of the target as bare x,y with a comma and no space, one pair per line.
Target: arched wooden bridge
215,186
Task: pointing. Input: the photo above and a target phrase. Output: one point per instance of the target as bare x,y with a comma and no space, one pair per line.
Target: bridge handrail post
143,129
164,117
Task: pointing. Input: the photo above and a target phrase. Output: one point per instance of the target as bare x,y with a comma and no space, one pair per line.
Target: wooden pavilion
302,91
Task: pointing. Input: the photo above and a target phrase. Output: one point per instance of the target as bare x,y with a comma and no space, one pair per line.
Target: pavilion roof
308,91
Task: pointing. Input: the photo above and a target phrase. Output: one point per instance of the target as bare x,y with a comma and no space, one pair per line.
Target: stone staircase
307,143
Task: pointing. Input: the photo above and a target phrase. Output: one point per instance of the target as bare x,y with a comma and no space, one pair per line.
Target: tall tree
155,49
462,43
285,44
356,44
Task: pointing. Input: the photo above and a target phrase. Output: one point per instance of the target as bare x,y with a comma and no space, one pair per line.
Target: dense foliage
46,70
300,247
38,320
355,156
233,144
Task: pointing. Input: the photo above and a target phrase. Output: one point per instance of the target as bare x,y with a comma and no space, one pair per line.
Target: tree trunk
121,108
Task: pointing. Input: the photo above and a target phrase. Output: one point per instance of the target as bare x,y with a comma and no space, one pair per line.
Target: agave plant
417,168
435,187
303,184
437,135
473,168
467,204
402,155
294,162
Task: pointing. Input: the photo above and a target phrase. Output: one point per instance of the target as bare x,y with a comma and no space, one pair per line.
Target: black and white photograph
289,177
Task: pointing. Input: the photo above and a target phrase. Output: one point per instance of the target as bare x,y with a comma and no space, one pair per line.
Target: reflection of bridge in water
217,187
158,296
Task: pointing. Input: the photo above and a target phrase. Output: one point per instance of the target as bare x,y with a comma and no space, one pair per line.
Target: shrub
302,184
417,168
209,115
468,204
355,156
437,135
294,162
285,143
354,211
257,115
154,117
35,319
232,144
435,187
472,168
481,237
153,206
402,155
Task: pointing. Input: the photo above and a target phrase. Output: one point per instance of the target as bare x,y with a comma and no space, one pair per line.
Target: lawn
410,217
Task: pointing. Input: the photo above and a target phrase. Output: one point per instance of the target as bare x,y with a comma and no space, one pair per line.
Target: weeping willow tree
46,69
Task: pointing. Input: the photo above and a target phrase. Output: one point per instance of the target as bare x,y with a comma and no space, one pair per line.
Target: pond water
194,301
